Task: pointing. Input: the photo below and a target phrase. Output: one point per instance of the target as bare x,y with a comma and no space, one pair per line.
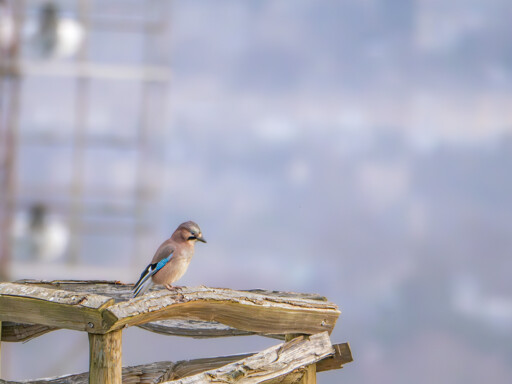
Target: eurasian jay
171,259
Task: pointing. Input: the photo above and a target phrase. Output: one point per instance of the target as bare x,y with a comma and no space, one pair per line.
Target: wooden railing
29,309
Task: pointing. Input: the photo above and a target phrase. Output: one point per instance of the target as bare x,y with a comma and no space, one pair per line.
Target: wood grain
269,364
194,328
342,355
168,370
15,332
52,307
0,350
242,310
57,296
78,305
122,292
105,365
103,308
309,376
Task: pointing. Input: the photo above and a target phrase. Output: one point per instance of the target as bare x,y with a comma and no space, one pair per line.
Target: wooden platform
29,309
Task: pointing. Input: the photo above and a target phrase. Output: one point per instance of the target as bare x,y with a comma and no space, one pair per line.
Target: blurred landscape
357,149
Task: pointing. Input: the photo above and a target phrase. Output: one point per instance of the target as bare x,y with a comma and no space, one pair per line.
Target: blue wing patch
145,282
162,262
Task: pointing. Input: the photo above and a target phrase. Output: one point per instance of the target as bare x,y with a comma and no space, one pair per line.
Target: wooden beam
0,350
194,328
110,288
168,370
342,355
123,292
105,365
304,375
269,364
238,309
186,368
15,332
291,336
309,376
52,307
77,305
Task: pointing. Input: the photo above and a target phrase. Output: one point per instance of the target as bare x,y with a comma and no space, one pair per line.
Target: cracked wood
269,364
194,312
51,307
242,310
159,372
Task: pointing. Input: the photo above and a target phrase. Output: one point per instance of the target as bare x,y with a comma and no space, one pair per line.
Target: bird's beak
201,239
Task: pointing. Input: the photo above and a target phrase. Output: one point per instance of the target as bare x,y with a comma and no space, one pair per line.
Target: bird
171,259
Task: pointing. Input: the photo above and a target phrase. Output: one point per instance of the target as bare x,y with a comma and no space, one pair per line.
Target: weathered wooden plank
266,365
193,328
51,307
238,309
342,355
122,292
168,370
309,376
241,312
162,371
172,371
86,300
105,365
113,289
302,375
0,350
292,295
15,332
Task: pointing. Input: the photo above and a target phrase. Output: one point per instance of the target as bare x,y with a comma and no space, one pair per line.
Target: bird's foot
171,288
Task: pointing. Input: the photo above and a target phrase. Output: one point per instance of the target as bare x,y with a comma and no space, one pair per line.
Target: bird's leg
171,288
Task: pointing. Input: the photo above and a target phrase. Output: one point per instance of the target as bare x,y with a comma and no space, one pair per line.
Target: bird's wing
163,251
145,282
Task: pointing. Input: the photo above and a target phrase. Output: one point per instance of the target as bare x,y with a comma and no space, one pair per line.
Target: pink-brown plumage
171,259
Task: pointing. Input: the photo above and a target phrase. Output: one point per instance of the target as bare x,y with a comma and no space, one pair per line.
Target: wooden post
310,372
309,376
291,336
0,349
105,365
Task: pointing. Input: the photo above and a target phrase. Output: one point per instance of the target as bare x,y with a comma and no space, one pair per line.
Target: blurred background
357,149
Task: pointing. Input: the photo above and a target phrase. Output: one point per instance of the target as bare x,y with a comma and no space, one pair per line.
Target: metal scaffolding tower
81,131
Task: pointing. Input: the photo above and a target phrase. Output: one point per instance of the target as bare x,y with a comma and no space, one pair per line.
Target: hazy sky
357,149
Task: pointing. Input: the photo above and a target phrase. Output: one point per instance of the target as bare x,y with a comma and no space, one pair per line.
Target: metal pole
79,138
8,203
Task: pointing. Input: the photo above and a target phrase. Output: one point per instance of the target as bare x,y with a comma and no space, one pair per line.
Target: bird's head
190,231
